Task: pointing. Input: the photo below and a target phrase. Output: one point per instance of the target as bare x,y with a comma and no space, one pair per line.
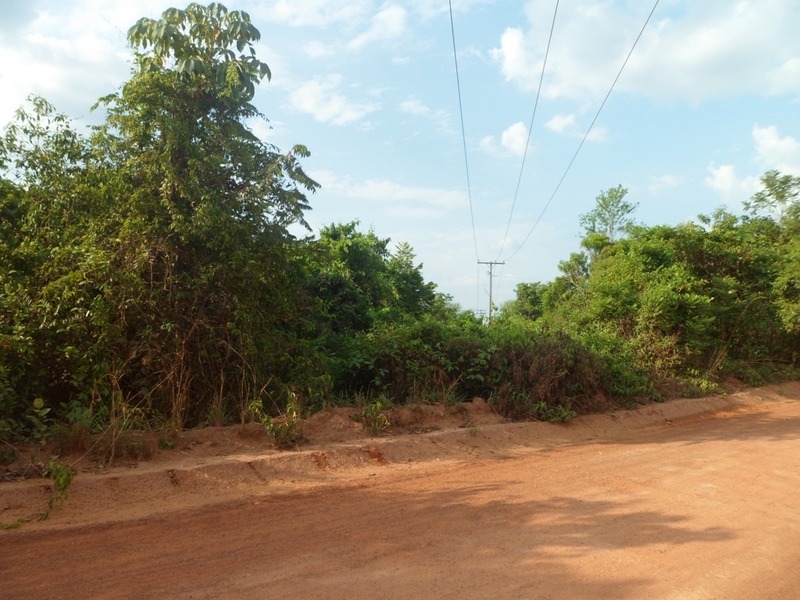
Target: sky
708,101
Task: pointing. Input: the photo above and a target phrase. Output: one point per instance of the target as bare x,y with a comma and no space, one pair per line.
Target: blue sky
707,103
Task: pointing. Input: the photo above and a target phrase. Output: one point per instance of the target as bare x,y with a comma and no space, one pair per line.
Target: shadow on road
383,542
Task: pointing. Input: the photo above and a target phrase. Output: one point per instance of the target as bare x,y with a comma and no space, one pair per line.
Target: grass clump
373,418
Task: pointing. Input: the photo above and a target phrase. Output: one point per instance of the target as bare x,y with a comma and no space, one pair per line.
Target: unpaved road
676,507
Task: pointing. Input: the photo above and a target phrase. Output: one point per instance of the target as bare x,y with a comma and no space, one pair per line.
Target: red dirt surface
689,499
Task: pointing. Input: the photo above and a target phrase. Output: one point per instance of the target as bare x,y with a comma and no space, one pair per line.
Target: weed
561,413
39,421
284,430
74,435
123,437
373,417
15,525
8,454
61,475
166,443
698,384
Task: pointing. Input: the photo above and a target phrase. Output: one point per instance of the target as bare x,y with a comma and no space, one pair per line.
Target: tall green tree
611,215
207,204
156,252
780,199
357,281
412,295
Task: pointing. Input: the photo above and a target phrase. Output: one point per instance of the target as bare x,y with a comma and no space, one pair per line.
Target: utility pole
491,264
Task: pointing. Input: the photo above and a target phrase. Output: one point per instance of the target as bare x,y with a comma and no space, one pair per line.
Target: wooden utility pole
491,264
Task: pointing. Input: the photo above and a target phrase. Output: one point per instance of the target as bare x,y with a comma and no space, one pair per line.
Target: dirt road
705,506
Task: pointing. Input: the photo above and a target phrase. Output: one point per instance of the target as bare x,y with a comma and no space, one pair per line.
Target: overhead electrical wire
586,135
463,132
530,131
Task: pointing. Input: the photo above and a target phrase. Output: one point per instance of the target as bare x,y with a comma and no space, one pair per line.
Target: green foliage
15,525
529,302
285,431
40,423
787,286
357,282
373,417
683,302
779,197
699,384
8,453
625,376
428,359
136,263
541,375
61,475
200,41
76,426
609,218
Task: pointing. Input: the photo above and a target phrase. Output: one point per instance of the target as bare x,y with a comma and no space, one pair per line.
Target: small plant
125,437
8,454
61,475
15,525
373,417
560,413
699,384
81,422
39,421
285,430
166,443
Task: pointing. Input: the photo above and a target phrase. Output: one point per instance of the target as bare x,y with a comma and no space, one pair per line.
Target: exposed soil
688,499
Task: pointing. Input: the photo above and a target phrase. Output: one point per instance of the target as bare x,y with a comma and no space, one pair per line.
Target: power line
588,131
530,131
463,132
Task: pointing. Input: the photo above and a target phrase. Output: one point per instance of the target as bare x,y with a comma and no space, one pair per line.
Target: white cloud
415,106
718,50
429,10
598,134
401,200
776,152
515,138
771,152
562,123
317,49
389,23
323,99
71,55
785,79
733,189
568,125
712,49
488,145
517,62
315,13
512,141
16,15
665,182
